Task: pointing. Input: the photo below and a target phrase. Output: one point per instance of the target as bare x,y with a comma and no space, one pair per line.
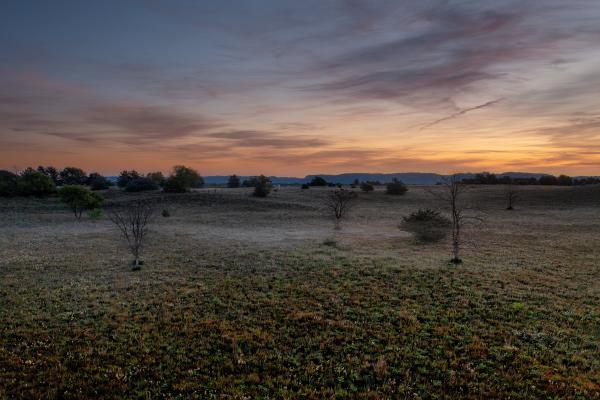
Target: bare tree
511,195
452,194
338,202
132,220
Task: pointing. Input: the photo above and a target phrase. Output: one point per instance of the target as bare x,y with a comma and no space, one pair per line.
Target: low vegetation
79,198
427,225
396,187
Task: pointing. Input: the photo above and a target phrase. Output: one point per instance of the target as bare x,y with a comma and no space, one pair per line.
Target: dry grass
241,298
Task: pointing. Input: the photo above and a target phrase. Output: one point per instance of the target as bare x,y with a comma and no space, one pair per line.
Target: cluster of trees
561,180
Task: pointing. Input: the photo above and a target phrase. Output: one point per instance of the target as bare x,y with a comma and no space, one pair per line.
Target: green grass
371,317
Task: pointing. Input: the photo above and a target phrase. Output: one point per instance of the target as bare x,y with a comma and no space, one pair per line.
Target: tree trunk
455,252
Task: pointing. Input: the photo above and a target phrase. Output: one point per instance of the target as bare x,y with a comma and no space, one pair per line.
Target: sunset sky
296,87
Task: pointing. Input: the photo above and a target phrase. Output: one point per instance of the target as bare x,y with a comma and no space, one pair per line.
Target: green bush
98,182
95,213
8,183
182,180
427,225
34,183
396,187
262,187
73,176
79,198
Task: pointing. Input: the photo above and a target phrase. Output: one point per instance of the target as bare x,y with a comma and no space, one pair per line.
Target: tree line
561,180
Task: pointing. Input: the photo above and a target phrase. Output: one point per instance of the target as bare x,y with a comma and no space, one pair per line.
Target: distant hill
410,178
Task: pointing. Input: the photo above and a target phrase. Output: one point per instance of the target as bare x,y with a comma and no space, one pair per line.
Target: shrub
427,225
79,198
34,183
95,213
73,176
318,181
165,213
141,185
182,180
233,182
132,219
305,186
396,187
366,187
98,182
52,173
8,183
157,177
127,176
262,187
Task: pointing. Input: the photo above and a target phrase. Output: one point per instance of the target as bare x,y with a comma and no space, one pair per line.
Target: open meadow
249,298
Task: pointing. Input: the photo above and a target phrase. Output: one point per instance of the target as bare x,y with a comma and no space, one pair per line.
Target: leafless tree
511,195
132,219
338,202
452,193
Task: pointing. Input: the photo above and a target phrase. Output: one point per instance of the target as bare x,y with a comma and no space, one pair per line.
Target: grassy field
249,298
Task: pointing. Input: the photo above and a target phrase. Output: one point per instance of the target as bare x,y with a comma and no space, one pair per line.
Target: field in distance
241,297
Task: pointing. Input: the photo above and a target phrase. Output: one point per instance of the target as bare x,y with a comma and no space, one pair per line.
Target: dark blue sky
288,87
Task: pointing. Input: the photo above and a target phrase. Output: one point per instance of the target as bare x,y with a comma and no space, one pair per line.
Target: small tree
182,180
452,194
73,176
157,177
233,181
8,184
396,187
132,220
79,198
127,176
366,187
511,195
98,182
262,187
339,202
34,183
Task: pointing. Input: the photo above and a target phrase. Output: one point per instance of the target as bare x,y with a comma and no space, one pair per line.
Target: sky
291,88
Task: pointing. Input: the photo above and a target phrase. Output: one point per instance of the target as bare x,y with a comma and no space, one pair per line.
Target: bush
396,187
165,213
233,182
73,176
427,225
262,187
34,183
8,183
157,177
79,198
305,186
141,185
95,213
318,181
366,187
98,182
127,176
182,180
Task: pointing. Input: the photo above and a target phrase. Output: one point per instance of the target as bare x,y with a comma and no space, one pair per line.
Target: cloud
461,112
252,138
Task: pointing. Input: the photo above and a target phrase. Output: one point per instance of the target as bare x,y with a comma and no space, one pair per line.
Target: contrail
462,112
